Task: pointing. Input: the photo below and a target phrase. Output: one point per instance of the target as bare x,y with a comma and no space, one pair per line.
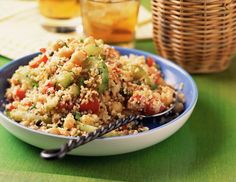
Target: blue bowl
173,74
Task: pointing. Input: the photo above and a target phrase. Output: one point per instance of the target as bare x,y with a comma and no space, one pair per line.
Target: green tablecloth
203,150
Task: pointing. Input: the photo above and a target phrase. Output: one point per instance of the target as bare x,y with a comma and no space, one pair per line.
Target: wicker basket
199,35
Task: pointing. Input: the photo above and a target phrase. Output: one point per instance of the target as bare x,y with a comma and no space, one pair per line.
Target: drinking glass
113,21
60,15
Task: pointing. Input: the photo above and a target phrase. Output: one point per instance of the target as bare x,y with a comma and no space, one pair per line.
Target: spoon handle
74,143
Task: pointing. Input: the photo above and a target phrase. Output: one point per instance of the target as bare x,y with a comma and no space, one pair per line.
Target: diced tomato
49,88
66,105
10,107
137,97
50,84
28,104
91,105
158,78
20,94
44,59
36,63
15,82
149,109
149,61
42,50
162,108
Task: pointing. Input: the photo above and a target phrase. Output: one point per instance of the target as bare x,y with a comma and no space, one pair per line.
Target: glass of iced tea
113,21
60,14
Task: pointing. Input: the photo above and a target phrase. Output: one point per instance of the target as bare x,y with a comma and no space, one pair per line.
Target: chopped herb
32,107
154,86
148,81
81,81
77,116
35,84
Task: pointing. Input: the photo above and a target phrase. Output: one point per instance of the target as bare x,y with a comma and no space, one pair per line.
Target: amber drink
113,21
61,9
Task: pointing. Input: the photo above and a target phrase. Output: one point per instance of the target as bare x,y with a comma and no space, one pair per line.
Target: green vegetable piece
51,103
138,72
65,79
35,84
77,116
32,107
22,74
92,50
81,81
105,78
86,63
47,120
75,90
87,128
150,83
89,62
154,86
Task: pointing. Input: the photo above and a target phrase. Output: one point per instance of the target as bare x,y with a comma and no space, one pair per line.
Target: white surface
9,8
23,34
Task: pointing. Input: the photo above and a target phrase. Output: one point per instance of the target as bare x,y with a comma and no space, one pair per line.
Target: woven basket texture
199,35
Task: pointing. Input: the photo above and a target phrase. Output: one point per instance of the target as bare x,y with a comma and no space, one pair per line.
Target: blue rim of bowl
165,61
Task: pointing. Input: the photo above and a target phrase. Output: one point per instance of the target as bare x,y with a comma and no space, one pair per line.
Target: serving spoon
81,140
